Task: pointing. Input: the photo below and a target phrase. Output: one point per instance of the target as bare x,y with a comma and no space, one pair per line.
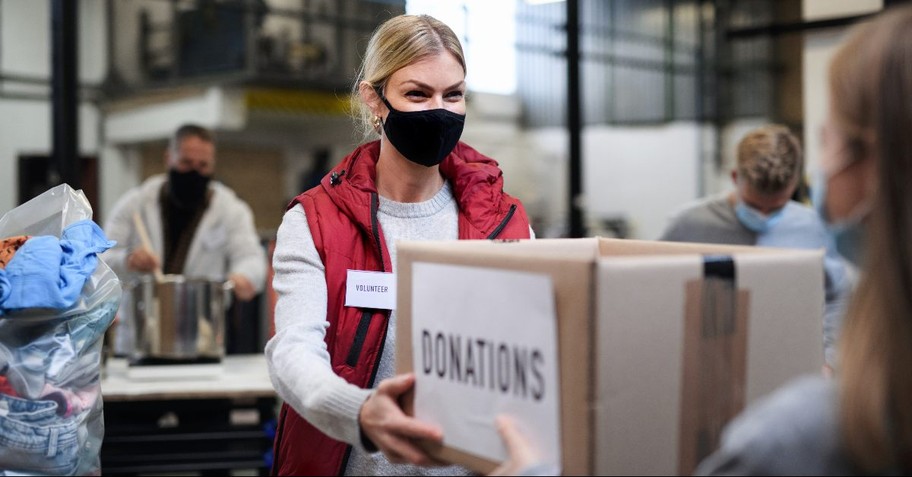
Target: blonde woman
333,364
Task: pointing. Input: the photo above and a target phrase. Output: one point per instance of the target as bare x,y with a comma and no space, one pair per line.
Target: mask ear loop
383,98
378,121
858,213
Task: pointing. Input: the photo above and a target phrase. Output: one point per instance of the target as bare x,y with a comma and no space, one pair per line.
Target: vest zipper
358,344
370,384
354,353
375,228
503,224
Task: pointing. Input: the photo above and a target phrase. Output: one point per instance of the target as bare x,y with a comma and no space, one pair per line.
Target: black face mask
187,188
423,137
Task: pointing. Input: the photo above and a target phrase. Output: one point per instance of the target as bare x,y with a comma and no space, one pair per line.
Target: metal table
177,421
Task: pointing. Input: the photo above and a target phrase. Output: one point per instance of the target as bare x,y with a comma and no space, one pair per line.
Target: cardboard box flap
618,247
563,249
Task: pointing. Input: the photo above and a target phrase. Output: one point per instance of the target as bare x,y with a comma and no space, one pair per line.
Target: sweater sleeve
297,357
792,431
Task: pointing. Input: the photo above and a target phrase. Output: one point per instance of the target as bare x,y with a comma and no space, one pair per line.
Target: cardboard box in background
660,344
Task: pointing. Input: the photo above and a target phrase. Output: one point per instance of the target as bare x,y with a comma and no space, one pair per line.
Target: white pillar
819,47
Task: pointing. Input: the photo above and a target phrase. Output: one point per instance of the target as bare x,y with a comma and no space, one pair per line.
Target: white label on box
370,290
485,343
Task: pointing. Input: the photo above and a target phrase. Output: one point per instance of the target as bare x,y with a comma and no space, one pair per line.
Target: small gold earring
377,122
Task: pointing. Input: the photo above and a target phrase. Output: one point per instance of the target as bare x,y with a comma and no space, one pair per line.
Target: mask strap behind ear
383,98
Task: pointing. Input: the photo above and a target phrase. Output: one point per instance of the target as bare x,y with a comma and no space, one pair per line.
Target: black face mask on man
423,137
187,188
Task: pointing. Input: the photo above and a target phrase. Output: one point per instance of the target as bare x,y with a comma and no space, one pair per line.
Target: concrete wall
819,47
640,174
25,107
25,39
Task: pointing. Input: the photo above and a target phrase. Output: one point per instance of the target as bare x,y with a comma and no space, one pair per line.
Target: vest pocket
358,343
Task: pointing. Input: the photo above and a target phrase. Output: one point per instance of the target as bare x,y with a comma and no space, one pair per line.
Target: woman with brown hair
860,422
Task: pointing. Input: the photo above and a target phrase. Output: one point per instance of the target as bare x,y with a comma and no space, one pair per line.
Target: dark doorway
35,178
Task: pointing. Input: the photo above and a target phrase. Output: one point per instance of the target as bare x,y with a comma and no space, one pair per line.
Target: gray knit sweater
299,364
793,431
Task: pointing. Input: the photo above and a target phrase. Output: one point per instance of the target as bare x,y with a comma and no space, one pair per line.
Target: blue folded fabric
48,272
4,288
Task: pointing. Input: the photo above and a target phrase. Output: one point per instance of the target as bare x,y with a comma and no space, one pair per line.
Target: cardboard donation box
611,356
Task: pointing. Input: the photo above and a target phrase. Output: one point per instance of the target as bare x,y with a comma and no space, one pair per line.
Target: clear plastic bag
50,359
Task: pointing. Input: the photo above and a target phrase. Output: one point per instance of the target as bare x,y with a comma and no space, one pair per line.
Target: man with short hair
759,211
197,226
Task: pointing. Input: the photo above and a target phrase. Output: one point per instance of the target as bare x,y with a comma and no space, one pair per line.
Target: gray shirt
794,431
713,220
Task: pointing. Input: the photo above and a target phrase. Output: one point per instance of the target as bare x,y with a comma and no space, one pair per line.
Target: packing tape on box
715,353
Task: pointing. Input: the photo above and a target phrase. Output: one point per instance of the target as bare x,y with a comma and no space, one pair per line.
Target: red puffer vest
342,215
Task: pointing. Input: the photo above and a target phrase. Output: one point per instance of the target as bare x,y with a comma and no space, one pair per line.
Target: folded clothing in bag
47,272
57,298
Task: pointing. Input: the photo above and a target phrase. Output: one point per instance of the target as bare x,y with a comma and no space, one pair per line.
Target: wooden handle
147,243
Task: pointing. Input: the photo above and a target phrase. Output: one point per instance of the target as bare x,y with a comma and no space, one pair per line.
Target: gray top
299,364
713,220
794,431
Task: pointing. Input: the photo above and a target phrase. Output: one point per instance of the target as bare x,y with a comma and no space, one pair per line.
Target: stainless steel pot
179,318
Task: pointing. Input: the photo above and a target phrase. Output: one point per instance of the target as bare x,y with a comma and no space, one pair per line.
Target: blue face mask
755,220
847,235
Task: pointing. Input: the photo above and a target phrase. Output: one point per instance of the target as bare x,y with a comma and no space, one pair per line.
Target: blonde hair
397,43
770,159
870,88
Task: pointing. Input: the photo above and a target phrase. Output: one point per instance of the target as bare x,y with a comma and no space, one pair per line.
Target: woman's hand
522,455
394,433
